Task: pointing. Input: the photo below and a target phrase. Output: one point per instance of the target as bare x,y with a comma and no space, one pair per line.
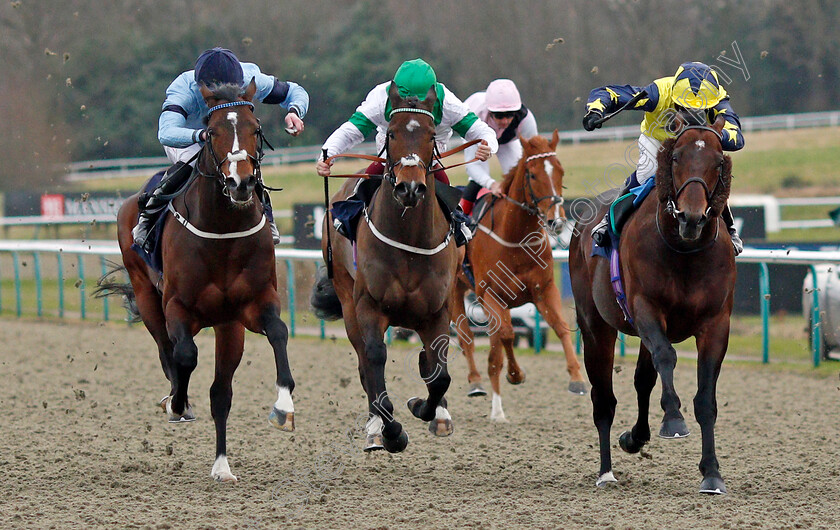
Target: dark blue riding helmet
218,66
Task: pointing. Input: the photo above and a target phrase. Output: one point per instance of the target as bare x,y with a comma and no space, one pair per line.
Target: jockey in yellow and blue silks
693,90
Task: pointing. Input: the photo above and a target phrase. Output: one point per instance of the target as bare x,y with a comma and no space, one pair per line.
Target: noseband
671,206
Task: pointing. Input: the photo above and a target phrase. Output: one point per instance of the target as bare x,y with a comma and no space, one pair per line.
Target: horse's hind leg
550,306
282,413
711,348
433,370
648,322
632,441
230,343
466,338
598,356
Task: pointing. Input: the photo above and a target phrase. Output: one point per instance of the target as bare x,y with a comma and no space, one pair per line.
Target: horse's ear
677,123
431,98
718,124
206,93
555,139
394,95
250,90
524,142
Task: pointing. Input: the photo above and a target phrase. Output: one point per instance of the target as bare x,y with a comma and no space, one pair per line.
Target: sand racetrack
83,445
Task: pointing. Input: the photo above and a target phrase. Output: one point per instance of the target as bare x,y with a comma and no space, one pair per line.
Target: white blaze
236,154
700,144
549,168
412,124
410,160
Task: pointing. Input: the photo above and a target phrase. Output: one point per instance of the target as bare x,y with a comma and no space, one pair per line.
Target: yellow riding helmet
696,86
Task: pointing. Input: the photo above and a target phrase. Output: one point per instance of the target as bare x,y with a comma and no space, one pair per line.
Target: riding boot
621,208
152,203
461,225
269,212
726,214
467,206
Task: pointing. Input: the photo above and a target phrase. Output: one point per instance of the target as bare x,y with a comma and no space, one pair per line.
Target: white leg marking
606,478
496,412
374,425
221,470
442,414
284,400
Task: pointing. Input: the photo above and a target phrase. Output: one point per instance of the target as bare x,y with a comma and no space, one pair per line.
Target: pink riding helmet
502,96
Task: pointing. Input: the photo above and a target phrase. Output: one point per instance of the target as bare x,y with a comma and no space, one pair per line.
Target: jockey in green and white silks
693,89
413,78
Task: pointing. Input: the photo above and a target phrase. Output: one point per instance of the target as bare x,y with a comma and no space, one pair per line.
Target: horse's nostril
681,217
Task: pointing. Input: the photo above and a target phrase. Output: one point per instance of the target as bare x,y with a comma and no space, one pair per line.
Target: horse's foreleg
598,356
501,338
550,306
372,324
282,413
151,310
650,325
433,370
185,359
230,343
645,378
711,348
466,338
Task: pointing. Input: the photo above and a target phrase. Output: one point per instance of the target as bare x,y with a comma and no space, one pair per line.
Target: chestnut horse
400,274
678,269
218,269
511,259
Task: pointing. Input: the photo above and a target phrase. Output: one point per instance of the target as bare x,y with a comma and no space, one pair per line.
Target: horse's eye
674,159
391,135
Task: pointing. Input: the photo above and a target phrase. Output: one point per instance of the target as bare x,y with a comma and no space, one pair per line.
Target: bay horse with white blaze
218,269
511,260
399,274
678,270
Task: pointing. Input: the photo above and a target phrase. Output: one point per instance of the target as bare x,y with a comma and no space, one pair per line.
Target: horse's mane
665,178
226,91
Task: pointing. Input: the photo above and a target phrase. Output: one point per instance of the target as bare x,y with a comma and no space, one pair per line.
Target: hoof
476,390
187,416
441,427
674,429
396,445
225,477
516,380
630,445
415,404
606,478
713,486
499,418
373,442
577,388
285,421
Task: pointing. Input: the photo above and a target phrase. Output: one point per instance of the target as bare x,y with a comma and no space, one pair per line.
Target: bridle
255,160
392,168
532,207
671,206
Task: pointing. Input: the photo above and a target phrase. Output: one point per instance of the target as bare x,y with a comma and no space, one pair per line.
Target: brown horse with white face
678,269
218,269
404,266
512,263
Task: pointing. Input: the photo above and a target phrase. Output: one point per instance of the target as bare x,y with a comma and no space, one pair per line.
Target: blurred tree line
84,80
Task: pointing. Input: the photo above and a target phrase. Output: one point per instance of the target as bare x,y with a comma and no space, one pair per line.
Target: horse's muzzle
691,225
408,194
555,226
242,192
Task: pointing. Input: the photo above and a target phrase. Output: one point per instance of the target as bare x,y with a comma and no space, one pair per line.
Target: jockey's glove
589,121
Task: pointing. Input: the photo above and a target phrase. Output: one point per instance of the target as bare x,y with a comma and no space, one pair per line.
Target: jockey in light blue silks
695,92
181,128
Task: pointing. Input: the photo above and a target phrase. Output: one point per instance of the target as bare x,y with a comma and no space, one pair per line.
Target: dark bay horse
219,270
405,263
678,269
512,264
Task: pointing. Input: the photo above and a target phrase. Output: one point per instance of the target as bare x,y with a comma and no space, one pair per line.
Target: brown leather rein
381,160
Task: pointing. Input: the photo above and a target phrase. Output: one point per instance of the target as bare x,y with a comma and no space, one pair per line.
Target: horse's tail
324,300
107,285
